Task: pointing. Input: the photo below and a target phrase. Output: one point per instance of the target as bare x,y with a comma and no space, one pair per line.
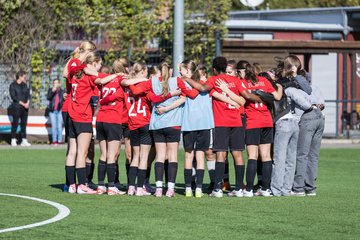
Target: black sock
266,174
219,173
159,171
141,178
259,171
239,177
132,175
250,174
226,172
166,170
117,173
66,178
212,176
111,172
173,166
127,166
70,175
101,172
188,177
81,175
148,172
199,177
89,171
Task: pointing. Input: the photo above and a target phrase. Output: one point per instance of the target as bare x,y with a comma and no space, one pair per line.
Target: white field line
63,212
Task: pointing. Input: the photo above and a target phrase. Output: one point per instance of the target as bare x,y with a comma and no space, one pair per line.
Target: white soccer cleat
264,193
72,188
25,143
115,191
248,193
216,193
101,190
235,193
13,142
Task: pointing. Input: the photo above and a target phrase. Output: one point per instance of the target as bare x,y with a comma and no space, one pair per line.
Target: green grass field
333,214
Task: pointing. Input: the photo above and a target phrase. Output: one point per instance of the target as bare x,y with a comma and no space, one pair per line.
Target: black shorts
65,117
75,128
141,136
198,140
167,135
108,131
256,136
125,130
228,138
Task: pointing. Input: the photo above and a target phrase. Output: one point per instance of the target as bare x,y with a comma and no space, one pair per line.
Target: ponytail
250,74
165,74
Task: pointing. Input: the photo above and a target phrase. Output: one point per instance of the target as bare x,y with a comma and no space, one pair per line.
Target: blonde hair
165,75
289,62
121,65
194,70
138,67
257,68
84,46
92,57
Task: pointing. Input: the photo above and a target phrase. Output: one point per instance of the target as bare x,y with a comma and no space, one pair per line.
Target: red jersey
138,106
226,115
112,112
257,114
81,92
74,65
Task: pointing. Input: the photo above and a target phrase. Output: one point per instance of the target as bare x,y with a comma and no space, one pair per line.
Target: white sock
159,184
210,165
198,189
171,185
188,189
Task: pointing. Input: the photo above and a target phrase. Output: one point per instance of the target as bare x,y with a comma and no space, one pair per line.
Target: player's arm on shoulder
225,99
197,85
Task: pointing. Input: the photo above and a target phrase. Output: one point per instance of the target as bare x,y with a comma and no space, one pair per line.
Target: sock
70,174
259,171
141,177
148,172
219,173
239,177
127,166
266,174
187,177
226,172
159,173
66,178
132,175
171,185
117,173
101,172
173,167
211,169
250,174
111,172
199,178
89,171
166,170
81,175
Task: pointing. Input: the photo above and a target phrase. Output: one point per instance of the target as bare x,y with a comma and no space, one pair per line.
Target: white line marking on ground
63,212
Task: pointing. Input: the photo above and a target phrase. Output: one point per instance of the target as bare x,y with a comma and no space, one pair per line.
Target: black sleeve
13,94
50,94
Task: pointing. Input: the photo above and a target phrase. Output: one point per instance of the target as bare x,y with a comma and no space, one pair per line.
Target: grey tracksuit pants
308,149
285,145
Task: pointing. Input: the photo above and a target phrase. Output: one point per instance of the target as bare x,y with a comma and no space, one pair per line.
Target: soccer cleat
158,192
264,193
188,193
226,187
149,188
66,188
235,193
216,193
248,193
83,189
198,193
101,190
25,143
141,192
131,191
114,191
170,192
311,194
13,142
91,185
297,194
72,188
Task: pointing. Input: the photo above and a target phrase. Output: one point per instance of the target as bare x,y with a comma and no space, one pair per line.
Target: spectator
55,97
19,109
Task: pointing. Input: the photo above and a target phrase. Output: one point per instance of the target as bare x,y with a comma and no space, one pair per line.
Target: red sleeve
119,94
191,93
74,67
157,98
241,86
143,87
211,82
269,87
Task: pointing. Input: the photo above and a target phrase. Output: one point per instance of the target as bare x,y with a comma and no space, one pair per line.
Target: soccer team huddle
275,115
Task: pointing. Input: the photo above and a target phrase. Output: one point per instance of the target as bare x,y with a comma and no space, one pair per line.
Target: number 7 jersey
139,108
